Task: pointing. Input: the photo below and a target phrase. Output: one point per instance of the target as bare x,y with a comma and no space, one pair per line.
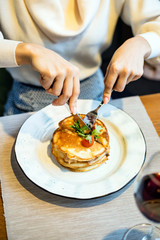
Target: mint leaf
97,131
88,138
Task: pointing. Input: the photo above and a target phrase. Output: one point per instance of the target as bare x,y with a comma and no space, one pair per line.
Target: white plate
33,151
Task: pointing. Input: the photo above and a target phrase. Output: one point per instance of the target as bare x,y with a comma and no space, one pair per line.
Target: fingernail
106,99
74,110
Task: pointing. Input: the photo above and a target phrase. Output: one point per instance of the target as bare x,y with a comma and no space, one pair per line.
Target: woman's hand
126,65
57,76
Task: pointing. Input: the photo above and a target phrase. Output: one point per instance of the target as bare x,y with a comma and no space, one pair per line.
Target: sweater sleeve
144,18
7,52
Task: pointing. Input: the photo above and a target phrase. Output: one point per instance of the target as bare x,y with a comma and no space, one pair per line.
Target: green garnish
88,138
84,131
97,131
80,130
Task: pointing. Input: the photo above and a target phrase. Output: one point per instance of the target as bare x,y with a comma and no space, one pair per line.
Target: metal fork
91,116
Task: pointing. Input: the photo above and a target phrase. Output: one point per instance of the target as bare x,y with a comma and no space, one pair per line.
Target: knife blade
67,106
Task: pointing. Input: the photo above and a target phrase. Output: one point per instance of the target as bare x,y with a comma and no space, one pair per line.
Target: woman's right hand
57,76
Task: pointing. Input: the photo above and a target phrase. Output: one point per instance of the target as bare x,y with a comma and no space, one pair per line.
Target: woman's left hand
126,65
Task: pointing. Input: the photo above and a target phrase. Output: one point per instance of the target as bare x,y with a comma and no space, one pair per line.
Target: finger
57,86
136,77
107,71
66,92
129,79
121,82
75,94
133,77
46,82
109,81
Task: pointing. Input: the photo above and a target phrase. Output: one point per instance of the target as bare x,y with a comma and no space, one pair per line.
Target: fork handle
100,105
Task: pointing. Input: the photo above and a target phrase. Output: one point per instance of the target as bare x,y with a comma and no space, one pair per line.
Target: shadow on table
133,234
115,235
44,195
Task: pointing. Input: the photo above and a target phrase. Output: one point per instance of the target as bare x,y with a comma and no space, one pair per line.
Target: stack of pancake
70,153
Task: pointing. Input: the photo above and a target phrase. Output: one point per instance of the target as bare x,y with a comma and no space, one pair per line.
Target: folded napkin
32,213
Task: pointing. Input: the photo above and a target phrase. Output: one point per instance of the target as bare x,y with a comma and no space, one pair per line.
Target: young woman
52,49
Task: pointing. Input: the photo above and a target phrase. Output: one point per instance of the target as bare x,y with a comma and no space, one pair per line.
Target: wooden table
151,103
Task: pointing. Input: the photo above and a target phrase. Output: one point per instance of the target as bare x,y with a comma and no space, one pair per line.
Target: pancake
68,150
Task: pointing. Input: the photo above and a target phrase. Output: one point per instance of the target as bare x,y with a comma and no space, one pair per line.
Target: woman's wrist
23,53
140,46
143,45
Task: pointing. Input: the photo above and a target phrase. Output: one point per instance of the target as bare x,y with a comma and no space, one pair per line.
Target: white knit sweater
78,30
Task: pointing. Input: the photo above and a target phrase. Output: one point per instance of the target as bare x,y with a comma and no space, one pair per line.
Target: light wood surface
151,103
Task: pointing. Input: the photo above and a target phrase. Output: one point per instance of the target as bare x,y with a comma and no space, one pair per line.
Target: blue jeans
28,98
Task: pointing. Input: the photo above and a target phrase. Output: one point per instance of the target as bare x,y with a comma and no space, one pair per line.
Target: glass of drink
147,197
